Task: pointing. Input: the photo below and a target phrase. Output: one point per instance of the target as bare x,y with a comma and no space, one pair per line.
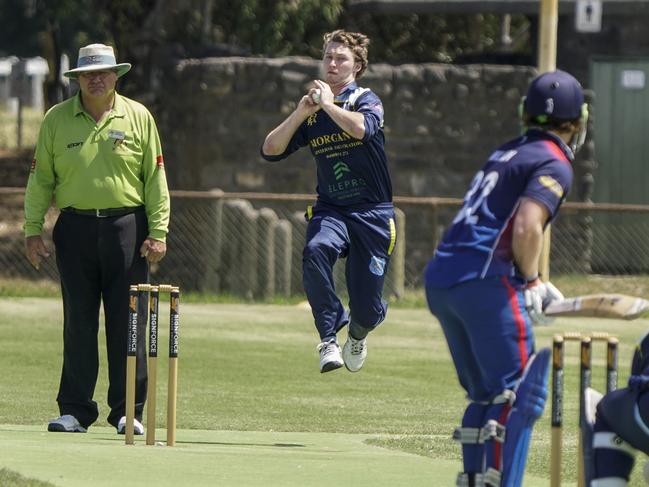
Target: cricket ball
315,96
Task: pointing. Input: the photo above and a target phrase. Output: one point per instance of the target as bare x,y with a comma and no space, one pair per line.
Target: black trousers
98,258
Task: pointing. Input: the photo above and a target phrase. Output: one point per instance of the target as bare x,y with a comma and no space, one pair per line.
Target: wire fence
250,244
19,126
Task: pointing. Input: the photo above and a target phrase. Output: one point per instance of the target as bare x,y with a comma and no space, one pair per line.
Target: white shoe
138,429
354,353
65,424
330,358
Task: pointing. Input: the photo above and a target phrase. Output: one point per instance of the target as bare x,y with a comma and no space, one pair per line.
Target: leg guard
478,431
531,394
471,436
591,399
488,479
516,420
613,460
624,411
615,428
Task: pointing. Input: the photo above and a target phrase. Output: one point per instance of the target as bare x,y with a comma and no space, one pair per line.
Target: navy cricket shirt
350,171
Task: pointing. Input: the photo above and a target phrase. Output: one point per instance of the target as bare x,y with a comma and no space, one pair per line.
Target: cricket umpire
99,156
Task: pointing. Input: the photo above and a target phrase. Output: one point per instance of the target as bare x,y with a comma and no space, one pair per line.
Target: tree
152,33
48,29
415,38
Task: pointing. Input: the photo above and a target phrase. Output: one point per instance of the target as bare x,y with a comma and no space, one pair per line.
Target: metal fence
250,244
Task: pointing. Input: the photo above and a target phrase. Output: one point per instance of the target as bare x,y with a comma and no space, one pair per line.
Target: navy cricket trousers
98,258
366,237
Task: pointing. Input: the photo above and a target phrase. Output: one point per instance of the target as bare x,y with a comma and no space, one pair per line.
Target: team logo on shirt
311,120
340,168
377,265
552,184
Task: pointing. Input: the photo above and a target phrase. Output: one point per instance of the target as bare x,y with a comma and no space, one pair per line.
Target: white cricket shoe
354,353
330,358
138,429
65,424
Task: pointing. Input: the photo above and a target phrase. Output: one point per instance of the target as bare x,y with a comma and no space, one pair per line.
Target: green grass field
254,410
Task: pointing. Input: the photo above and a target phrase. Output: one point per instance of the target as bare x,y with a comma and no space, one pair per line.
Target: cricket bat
618,306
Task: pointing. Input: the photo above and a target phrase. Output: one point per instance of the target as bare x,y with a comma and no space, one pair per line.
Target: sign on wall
588,15
633,79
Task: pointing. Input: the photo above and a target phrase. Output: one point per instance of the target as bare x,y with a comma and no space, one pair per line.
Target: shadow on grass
223,443
226,443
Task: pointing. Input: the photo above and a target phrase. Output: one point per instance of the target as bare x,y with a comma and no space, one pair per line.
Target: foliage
298,27
274,28
431,37
150,33
49,29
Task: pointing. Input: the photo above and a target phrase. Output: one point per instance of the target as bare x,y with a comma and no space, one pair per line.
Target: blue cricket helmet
554,95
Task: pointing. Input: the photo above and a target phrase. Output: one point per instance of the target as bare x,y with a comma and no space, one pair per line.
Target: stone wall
441,122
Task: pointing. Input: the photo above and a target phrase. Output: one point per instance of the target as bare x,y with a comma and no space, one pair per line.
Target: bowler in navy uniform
342,124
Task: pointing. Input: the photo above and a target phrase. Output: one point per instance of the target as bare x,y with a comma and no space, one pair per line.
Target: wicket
152,295
584,382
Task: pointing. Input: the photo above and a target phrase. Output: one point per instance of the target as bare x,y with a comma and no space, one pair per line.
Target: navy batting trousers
98,258
488,331
366,237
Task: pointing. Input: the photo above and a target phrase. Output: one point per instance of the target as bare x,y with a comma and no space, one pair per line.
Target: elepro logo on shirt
340,168
344,188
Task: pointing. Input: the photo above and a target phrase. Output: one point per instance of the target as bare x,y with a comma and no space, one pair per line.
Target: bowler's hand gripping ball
315,96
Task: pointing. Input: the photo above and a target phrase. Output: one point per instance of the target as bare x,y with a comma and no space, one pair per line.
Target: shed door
621,122
621,126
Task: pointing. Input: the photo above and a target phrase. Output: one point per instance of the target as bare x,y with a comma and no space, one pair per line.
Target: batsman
483,284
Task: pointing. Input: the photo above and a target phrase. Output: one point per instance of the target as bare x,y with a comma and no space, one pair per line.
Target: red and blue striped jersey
478,243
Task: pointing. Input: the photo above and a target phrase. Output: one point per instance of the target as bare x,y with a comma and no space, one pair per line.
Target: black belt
102,212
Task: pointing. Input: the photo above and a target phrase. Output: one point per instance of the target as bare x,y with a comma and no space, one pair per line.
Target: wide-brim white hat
97,57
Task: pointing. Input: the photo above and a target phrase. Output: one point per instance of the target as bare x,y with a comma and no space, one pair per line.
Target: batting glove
538,295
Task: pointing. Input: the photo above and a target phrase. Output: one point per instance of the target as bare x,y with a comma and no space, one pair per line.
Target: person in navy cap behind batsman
620,426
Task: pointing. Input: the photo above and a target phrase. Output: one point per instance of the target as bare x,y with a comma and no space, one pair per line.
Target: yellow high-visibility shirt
113,163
